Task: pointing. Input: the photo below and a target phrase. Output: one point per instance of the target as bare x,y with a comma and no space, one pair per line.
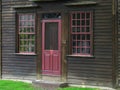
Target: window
81,31
26,33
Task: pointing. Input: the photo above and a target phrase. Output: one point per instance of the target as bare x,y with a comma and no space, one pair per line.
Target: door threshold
51,75
45,81
49,85
51,78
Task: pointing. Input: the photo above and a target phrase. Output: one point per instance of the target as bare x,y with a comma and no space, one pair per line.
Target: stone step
47,85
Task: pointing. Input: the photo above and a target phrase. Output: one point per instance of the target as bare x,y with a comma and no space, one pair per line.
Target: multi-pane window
26,33
81,31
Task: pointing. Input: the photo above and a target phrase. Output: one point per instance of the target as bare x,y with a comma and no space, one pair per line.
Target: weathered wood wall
0,36
13,65
96,70
118,44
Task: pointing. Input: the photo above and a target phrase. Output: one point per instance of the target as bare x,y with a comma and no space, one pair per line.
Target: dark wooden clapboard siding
96,70
13,65
118,43
0,37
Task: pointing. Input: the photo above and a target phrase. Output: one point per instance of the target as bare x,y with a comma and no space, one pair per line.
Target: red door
51,37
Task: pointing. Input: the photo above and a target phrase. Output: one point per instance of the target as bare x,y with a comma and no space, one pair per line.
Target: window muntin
26,33
81,31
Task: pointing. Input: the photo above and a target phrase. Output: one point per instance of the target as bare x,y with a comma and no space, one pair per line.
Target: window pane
88,43
74,29
32,37
78,37
83,37
73,16
33,49
25,18
74,50
32,29
87,15
24,36
24,30
88,50
29,17
21,36
83,22
83,43
83,50
28,29
78,29
21,42
20,24
78,50
21,49
32,17
83,15
33,23
21,17
78,22
87,22
88,37
74,37
83,29
25,42
74,22
78,16
33,42
74,43
78,43
87,29
28,36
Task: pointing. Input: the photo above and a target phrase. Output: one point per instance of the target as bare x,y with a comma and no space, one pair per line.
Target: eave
25,6
42,0
81,3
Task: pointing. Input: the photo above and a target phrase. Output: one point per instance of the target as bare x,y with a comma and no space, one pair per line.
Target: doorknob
64,42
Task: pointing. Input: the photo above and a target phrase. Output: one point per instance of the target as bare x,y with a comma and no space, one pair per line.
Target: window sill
26,54
86,56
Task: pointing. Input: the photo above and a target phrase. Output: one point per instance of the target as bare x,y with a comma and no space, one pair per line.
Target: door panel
51,34
55,61
47,61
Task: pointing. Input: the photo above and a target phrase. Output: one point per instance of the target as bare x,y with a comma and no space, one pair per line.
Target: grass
18,85
14,85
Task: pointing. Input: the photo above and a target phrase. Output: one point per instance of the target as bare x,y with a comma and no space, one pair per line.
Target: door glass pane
51,36
51,15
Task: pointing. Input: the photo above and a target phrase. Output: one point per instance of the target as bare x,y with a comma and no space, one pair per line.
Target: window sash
26,33
81,33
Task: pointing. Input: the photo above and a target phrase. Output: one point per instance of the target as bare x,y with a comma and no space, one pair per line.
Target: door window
51,36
